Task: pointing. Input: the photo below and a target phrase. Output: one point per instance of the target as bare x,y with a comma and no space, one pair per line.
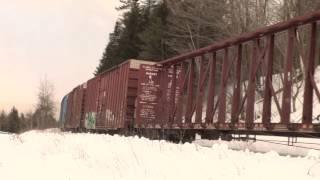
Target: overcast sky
60,39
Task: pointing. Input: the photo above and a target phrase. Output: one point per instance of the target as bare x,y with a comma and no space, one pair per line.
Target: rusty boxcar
107,101
75,107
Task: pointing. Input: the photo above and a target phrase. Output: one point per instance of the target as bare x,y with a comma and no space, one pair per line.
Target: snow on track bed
304,147
55,155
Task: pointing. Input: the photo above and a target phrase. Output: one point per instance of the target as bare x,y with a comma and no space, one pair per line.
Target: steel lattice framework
216,87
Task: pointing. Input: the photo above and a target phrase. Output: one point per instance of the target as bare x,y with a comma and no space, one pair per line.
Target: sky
60,40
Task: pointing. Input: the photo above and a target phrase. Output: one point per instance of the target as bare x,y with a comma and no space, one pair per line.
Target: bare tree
45,108
195,24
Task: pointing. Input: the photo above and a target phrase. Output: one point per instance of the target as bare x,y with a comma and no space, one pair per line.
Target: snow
59,155
304,147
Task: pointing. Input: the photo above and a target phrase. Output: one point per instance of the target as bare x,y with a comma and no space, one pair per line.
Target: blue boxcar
63,111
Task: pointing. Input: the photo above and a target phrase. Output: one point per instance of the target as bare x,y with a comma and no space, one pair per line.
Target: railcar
106,102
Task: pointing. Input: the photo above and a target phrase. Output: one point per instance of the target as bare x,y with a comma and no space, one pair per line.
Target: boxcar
109,101
63,111
75,105
105,102
91,103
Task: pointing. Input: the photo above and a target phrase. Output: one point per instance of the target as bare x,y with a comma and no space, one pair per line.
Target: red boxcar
75,109
155,96
91,103
111,96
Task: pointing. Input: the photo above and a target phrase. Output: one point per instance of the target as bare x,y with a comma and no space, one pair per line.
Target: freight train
122,100
135,98
212,91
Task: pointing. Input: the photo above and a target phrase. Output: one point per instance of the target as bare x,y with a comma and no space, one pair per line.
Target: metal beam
301,20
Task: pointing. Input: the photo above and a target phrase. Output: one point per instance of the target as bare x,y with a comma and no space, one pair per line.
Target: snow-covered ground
304,147
65,156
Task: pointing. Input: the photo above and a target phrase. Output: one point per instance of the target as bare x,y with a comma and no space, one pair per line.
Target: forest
158,29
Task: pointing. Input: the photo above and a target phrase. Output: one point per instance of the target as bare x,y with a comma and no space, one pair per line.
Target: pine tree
14,121
155,36
129,42
111,53
3,121
23,123
124,42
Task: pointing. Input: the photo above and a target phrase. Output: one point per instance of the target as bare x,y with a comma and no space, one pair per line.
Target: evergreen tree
3,121
155,36
124,42
111,53
23,123
14,121
129,41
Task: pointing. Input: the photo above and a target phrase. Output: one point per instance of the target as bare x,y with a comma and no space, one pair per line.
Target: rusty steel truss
216,87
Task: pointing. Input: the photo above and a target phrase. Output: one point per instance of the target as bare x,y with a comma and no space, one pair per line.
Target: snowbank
266,144
55,155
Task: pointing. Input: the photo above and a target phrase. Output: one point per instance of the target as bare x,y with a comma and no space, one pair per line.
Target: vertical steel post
200,91
173,93
252,84
189,112
211,91
163,99
179,108
309,72
237,87
266,114
222,98
287,81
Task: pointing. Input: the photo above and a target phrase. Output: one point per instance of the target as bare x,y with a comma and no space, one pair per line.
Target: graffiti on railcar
90,120
110,115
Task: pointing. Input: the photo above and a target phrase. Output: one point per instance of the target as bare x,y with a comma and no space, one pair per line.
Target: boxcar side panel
90,108
63,111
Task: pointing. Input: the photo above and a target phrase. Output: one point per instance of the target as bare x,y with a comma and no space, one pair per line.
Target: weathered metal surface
116,97
63,111
75,112
108,112
200,91
69,109
223,84
211,90
238,91
189,105
91,103
148,100
309,71
287,84
237,87
267,97
182,85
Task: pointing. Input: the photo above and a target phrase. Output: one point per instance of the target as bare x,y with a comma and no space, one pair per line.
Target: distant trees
12,122
43,117
3,121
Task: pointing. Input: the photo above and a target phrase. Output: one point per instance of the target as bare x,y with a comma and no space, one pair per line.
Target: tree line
158,29
43,116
